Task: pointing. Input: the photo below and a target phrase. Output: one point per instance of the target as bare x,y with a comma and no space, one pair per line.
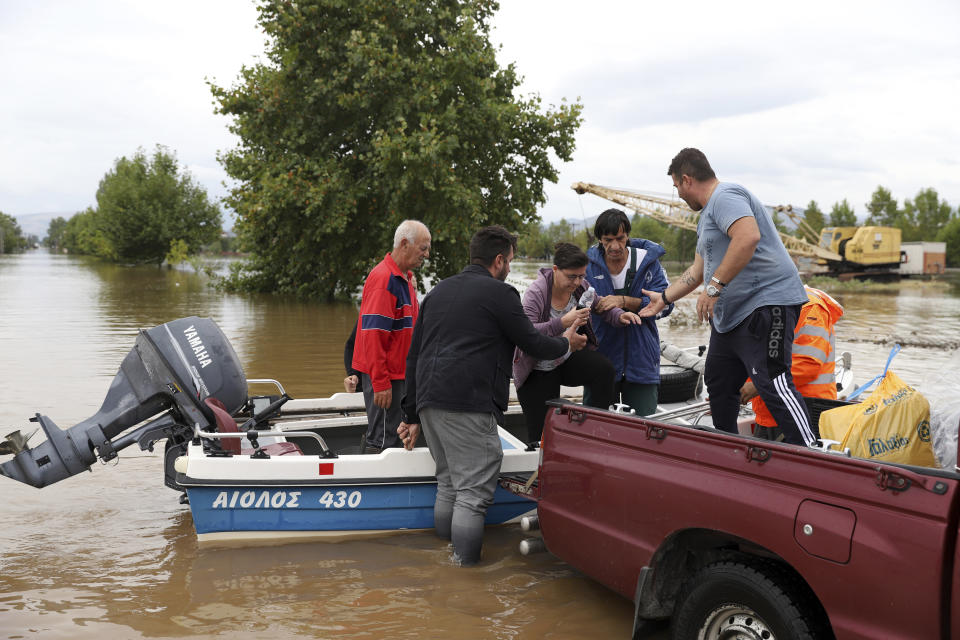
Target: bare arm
690,280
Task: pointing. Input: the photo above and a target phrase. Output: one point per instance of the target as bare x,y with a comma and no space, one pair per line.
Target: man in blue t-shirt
752,298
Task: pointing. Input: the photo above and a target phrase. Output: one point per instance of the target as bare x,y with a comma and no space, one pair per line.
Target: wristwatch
712,291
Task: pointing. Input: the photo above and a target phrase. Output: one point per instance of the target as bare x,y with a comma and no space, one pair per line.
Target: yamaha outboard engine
170,371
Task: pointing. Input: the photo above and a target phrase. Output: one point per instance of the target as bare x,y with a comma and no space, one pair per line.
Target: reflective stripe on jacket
814,357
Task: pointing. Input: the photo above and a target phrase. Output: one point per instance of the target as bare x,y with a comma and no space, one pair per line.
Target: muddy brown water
112,554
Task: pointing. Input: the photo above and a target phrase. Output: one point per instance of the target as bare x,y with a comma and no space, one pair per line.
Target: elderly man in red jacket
388,311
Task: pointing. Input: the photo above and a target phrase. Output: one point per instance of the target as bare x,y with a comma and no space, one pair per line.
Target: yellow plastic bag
891,425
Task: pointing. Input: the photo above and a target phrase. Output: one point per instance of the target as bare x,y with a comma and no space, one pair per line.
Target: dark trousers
759,348
588,368
382,423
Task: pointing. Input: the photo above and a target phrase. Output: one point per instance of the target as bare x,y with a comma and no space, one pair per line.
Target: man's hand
383,399
629,317
653,307
408,434
748,392
576,340
350,383
705,305
605,303
574,316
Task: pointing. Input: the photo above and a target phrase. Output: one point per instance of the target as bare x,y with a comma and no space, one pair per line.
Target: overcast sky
797,101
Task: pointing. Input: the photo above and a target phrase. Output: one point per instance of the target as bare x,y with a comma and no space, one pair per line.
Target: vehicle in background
871,250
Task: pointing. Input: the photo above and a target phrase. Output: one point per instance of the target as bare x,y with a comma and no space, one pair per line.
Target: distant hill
37,223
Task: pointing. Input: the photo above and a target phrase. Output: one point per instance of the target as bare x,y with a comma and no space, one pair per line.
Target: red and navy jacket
388,311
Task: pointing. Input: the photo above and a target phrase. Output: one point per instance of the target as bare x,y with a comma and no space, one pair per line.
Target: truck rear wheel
744,601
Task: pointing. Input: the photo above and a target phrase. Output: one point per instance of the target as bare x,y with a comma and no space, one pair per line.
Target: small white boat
303,477
275,477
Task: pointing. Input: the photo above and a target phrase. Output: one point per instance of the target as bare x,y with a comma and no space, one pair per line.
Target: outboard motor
170,371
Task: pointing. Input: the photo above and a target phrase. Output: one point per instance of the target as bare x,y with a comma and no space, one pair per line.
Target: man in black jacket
458,382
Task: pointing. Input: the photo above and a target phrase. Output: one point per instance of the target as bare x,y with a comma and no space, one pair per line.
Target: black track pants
759,348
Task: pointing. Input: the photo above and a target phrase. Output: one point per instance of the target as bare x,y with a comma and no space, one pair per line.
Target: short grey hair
409,230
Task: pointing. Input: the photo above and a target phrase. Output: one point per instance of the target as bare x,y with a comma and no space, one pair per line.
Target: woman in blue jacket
620,267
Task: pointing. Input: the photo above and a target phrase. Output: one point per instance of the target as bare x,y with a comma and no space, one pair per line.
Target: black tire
758,600
678,384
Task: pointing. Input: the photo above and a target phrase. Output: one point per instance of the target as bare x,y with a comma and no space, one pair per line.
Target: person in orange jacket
813,359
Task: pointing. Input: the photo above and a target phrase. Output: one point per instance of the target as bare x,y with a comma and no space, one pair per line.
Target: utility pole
1,241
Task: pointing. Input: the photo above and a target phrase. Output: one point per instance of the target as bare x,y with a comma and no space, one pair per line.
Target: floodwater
112,553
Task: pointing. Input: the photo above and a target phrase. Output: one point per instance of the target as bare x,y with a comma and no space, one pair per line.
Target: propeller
15,442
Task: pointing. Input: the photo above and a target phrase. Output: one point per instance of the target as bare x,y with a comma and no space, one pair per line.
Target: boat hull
340,509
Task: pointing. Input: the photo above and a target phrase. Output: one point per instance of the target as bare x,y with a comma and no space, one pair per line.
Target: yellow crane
678,214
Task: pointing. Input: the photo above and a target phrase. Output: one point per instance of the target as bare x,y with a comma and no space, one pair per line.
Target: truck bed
637,505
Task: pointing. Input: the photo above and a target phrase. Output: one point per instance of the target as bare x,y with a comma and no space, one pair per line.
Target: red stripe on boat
326,469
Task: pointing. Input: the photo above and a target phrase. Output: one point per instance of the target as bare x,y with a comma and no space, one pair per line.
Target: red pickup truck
729,536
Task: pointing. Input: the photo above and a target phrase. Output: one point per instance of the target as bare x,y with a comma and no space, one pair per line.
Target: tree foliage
369,112
83,235
814,217
146,204
680,244
950,233
928,214
536,241
56,231
11,237
842,215
882,209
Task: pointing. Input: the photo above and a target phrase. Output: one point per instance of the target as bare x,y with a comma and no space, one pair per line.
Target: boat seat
238,446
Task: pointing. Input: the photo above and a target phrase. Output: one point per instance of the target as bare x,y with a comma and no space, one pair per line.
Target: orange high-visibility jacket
813,352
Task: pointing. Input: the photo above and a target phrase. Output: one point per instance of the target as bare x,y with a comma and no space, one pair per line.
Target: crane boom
678,214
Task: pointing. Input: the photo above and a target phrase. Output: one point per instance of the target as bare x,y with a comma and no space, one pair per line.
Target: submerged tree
370,112
11,237
146,205
55,233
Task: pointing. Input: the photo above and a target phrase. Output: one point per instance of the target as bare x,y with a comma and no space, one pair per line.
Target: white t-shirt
619,280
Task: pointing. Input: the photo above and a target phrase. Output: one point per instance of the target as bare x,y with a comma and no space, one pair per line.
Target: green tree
882,209
144,204
82,235
369,112
950,233
645,227
55,233
11,237
537,241
842,215
814,217
929,214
